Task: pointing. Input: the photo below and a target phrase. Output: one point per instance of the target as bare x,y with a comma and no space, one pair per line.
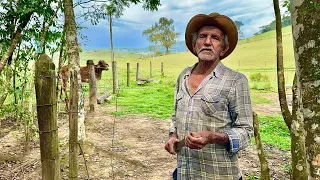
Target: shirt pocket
180,101
213,105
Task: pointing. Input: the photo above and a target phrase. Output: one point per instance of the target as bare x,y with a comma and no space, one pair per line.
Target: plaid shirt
220,104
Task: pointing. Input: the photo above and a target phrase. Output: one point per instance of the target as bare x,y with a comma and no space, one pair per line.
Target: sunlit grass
274,132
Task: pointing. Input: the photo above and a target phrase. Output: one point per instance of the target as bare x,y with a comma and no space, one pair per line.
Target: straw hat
214,19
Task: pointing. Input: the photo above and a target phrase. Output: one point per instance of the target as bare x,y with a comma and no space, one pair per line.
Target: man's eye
215,37
202,36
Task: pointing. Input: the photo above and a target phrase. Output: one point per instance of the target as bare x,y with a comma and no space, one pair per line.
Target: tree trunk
297,133
114,70
47,117
7,86
306,30
111,42
92,86
280,70
15,40
76,114
265,171
15,89
24,121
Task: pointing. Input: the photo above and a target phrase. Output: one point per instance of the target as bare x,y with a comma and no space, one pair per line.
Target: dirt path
134,151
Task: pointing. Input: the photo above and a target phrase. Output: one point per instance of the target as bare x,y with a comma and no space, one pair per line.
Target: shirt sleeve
241,113
173,127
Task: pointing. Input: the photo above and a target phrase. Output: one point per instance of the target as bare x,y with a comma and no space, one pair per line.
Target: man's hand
170,144
201,138
197,140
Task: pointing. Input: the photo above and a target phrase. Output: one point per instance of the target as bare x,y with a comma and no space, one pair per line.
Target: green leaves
162,33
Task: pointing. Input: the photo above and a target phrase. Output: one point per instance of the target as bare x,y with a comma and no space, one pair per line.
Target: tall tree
163,32
114,9
298,155
306,30
76,113
153,38
16,26
239,24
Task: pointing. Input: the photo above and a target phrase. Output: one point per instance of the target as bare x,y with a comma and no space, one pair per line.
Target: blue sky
127,30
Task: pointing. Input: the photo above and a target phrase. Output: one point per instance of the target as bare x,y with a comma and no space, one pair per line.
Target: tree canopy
162,33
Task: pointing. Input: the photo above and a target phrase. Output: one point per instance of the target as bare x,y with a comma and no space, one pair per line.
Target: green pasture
252,56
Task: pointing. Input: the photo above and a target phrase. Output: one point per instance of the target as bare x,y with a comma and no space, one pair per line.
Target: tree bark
297,133
73,126
111,41
306,30
47,117
280,69
76,114
265,171
7,86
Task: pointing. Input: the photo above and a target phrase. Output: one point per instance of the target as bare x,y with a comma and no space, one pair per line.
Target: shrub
258,77
260,82
159,53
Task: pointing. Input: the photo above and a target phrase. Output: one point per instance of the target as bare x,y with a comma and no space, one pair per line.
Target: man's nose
208,40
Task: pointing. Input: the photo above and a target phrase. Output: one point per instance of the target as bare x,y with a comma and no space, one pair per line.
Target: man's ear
194,48
224,50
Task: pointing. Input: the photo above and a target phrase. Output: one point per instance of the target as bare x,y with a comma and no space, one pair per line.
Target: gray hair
195,37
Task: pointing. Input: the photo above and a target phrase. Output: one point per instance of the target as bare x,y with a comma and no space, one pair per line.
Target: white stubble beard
205,56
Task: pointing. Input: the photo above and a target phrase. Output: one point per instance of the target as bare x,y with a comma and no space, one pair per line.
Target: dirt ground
129,147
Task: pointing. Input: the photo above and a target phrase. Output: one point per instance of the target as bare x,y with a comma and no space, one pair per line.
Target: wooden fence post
150,69
138,72
115,77
162,69
73,125
45,85
128,74
92,86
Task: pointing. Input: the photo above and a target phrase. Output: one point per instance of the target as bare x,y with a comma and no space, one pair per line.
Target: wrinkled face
103,65
209,45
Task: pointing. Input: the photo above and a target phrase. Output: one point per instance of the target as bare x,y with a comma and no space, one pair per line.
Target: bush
158,53
260,82
258,77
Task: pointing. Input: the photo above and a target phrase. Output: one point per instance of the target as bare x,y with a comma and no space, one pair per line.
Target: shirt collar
217,72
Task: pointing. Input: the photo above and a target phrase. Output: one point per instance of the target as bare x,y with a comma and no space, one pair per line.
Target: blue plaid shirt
220,104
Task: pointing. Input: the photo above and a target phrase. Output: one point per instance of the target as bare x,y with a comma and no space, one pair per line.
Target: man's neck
205,67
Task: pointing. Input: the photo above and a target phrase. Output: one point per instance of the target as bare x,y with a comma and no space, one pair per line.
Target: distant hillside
181,47
286,21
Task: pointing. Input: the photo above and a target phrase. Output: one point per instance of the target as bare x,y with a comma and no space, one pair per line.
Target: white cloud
253,13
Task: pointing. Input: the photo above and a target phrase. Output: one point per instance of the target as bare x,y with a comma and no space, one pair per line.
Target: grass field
253,55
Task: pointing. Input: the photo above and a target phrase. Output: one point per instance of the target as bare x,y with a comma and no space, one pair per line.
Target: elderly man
213,114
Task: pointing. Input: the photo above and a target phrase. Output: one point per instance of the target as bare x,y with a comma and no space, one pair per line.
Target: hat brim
214,19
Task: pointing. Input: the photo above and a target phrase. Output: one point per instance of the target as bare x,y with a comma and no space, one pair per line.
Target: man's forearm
218,138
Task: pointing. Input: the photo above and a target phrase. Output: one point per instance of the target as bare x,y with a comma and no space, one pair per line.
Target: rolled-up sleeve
173,127
241,113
